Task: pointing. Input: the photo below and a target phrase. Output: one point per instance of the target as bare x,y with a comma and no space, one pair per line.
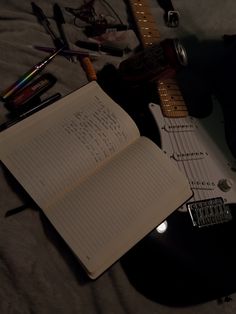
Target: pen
42,19
59,18
60,21
68,51
26,77
28,113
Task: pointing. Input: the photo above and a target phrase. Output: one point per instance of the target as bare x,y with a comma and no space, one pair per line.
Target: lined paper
120,203
101,185
51,155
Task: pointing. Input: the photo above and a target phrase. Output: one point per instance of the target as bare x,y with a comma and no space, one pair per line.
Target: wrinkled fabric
38,272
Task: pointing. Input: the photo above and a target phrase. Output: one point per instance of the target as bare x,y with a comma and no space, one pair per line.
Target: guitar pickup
209,212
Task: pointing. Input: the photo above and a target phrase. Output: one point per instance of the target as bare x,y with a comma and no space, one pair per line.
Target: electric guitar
194,259
208,165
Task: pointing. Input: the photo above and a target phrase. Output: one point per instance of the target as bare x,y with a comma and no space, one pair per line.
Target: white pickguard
199,149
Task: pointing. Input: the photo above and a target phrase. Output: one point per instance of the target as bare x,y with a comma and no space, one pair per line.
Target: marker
25,78
28,113
107,48
34,89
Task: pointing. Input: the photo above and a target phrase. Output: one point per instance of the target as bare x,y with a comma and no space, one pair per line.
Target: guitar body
194,260
199,149
190,264
184,265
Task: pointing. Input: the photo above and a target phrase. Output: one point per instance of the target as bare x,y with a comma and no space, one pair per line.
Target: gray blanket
38,273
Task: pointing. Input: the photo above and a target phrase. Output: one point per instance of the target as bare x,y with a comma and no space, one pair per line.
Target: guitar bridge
209,212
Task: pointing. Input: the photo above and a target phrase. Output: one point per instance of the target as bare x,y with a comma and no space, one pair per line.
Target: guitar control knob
225,184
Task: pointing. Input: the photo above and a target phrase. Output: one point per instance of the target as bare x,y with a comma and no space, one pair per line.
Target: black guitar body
184,265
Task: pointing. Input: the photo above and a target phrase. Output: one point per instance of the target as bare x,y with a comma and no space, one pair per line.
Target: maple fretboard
172,102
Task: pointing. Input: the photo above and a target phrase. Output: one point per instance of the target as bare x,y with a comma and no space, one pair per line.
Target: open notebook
101,184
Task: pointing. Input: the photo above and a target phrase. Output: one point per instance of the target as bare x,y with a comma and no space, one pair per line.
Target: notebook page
119,204
57,147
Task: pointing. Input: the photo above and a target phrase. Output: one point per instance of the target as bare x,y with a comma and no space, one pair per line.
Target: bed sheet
38,273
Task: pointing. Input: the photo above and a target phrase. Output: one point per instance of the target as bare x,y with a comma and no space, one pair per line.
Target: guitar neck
171,100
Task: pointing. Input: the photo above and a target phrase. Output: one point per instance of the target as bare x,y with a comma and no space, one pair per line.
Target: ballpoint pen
84,59
70,52
26,77
29,112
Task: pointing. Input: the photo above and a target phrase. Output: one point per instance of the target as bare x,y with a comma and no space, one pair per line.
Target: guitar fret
168,87
172,98
174,103
173,109
168,84
145,17
171,93
164,91
145,22
174,114
175,106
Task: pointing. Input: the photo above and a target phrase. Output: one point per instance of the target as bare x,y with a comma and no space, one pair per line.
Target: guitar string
186,144
188,147
146,16
156,34
172,136
202,168
207,169
140,6
189,144
201,172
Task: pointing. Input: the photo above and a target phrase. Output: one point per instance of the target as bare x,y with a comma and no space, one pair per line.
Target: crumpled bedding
38,272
